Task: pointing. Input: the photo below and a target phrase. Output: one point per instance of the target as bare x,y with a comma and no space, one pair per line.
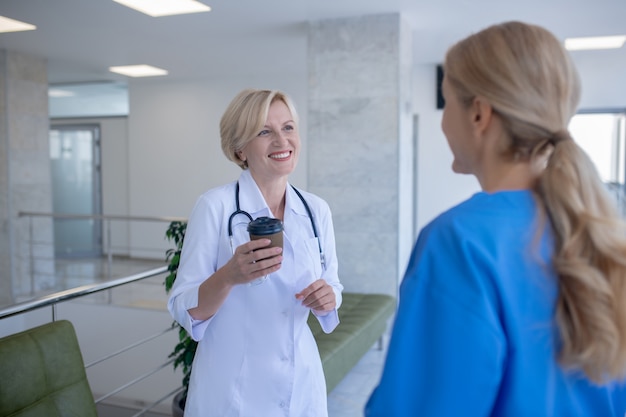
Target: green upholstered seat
363,320
42,374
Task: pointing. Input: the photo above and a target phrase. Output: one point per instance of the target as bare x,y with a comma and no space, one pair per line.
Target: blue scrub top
475,334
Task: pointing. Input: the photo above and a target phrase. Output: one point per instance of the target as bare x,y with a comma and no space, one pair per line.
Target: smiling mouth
280,155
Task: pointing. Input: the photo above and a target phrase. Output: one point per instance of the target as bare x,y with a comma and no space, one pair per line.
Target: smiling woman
256,354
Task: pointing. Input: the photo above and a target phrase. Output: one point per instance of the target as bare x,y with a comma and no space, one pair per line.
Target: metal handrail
100,216
52,299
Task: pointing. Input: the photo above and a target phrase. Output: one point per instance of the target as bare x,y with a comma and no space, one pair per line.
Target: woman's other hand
319,296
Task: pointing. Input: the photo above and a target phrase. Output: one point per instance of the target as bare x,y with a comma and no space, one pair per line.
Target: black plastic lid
265,226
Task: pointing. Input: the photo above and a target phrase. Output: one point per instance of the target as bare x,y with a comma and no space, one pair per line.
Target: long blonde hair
533,86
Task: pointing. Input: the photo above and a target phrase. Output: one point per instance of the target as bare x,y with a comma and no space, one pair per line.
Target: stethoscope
238,210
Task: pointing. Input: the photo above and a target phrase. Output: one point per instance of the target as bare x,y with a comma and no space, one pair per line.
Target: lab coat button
282,404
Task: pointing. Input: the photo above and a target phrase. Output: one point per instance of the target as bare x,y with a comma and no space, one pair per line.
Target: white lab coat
256,356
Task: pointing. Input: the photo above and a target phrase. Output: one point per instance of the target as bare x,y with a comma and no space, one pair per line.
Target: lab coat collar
251,199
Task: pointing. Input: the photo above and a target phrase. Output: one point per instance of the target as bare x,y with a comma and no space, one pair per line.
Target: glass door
75,162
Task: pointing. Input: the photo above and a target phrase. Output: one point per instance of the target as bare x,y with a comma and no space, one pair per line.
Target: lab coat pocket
312,267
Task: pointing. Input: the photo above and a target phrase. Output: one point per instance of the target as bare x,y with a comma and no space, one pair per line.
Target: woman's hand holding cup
253,260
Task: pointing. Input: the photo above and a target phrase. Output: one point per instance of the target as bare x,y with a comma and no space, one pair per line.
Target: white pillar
24,166
360,145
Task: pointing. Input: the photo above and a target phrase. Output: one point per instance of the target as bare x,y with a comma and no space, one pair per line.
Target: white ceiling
82,38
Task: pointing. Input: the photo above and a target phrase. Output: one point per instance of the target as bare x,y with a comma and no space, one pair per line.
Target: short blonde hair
245,117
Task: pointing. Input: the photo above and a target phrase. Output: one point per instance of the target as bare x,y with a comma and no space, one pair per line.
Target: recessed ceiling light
138,70
157,8
11,25
598,42
57,92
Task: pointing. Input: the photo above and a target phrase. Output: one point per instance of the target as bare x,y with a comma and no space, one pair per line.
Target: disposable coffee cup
267,228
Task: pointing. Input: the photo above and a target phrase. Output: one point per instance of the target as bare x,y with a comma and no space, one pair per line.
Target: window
602,134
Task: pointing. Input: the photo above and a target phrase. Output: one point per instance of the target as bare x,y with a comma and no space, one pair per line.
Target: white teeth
280,155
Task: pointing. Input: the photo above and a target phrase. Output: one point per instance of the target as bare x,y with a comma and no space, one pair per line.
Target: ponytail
590,261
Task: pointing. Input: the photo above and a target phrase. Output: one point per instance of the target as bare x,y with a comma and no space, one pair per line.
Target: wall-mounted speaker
440,101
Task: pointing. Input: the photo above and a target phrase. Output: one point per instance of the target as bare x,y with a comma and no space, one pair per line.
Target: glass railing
107,329
46,261
116,301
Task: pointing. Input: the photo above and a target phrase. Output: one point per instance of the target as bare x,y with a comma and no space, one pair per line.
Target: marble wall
356,103
24,166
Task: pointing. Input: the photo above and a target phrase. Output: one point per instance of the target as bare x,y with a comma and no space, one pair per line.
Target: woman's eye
263,132
289,128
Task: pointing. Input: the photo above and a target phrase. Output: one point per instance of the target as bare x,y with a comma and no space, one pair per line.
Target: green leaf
185,349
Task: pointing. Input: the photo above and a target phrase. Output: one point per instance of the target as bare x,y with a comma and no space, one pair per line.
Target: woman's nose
281,137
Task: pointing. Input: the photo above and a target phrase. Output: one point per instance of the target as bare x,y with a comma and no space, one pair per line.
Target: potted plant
185,350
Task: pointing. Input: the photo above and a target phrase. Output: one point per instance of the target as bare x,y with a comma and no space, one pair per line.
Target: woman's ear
241,156
481,115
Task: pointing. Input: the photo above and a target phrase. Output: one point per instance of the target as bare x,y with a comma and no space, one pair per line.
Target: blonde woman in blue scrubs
514,301
246,303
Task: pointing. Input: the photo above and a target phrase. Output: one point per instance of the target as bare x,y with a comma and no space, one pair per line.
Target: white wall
438,188
603,78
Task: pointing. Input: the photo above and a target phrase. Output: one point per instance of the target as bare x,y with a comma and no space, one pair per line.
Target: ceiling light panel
57,93
11,25
598,42
138,70
158,8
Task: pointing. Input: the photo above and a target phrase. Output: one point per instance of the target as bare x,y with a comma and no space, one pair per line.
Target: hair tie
560,136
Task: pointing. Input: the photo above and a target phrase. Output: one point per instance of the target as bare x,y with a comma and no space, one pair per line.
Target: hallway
346,400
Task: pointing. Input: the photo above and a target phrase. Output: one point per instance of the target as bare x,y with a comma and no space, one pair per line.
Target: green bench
362,321
42,374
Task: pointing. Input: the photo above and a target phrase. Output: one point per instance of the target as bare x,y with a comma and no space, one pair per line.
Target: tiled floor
349,397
